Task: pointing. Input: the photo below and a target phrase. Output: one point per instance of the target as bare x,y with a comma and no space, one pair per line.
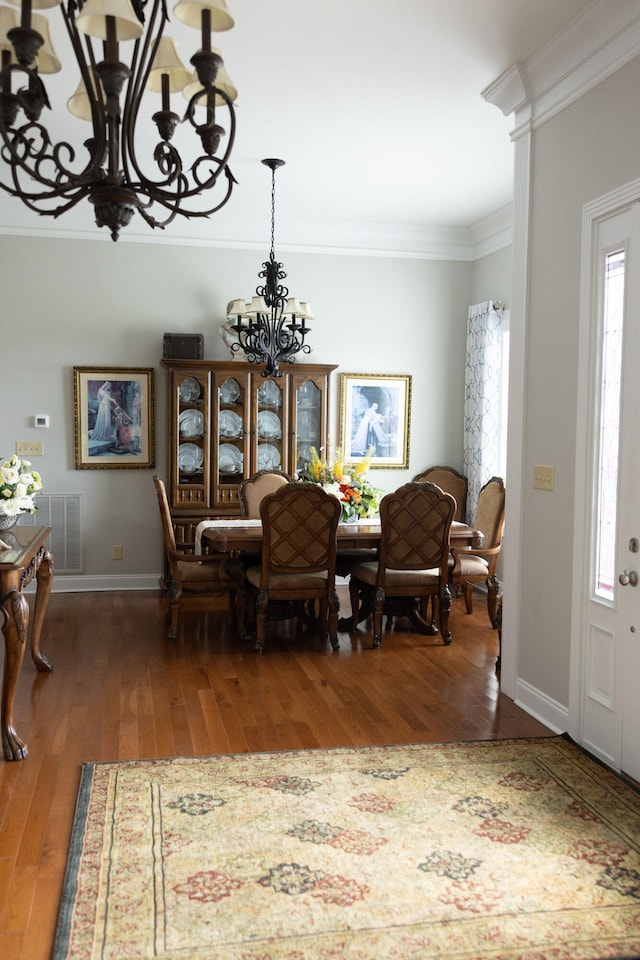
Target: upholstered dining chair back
186,572
490,512
471,565
299,529
451,481
252,490
413,556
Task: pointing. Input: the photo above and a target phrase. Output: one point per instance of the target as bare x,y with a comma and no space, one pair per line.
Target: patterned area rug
522,849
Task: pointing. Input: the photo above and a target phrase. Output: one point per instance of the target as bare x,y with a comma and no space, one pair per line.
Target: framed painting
113,412
375,412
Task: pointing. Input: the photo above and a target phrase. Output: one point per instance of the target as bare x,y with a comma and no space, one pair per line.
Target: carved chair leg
468,597
334,609
262,603
493,588
445,607
354,596
239,603
174,608
378,613
499,629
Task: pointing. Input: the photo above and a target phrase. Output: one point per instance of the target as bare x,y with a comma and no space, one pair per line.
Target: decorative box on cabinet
226,422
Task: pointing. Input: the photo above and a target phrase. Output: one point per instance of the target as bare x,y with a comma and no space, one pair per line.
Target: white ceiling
375,105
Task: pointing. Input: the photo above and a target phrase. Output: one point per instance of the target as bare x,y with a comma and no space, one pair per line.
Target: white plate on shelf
269,425
191,423
190,457
304,451
269,392
229,459
268,456
229,424
189,390
229,391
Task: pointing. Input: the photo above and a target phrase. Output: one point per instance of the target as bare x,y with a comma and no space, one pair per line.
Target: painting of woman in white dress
375,416
114,417
104,424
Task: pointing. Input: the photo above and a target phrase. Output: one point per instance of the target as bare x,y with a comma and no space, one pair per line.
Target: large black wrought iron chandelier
50,178
272,327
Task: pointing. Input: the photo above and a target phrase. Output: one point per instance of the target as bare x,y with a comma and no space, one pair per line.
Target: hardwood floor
120,690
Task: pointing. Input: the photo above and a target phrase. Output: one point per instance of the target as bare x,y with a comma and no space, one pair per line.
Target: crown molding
295,235
593,47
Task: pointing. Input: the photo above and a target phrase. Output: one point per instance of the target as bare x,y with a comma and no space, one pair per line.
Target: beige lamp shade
236,308
167,61
8,20
223,82
38,4
293,306
78,102
306,310
92,20
257,306
190,12
47,59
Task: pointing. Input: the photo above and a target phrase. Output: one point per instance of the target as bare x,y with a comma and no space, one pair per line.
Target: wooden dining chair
451,481
298,563
251,493
254,489
412,560
188,573
471,565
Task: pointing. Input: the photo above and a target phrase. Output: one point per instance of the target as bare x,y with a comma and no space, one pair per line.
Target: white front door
605,713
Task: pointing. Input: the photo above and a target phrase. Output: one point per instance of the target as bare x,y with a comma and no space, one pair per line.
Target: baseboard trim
80,584
542,707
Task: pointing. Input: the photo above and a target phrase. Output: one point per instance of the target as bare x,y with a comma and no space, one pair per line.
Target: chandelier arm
31,200
190,214
87,64
28,151
172,199
137,83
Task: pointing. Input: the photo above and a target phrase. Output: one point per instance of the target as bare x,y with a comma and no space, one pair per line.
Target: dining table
229,535
238,535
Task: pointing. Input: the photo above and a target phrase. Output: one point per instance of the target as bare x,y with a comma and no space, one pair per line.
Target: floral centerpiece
18,484
348,482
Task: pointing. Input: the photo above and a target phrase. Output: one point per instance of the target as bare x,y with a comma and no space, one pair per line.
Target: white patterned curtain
482,398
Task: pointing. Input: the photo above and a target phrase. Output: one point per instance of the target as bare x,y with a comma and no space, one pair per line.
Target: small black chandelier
272,327
50,178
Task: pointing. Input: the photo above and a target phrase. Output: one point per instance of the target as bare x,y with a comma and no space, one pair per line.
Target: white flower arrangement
18,484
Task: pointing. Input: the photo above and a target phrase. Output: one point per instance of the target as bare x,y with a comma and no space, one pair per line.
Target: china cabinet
226,422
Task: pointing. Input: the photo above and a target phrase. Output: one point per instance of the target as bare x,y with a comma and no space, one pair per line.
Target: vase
8,520
352,519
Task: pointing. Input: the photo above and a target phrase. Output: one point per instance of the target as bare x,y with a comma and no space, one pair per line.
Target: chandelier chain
273,213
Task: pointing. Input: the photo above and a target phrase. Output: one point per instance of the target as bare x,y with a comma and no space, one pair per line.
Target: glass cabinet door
190,432
309,424
269,452
230,454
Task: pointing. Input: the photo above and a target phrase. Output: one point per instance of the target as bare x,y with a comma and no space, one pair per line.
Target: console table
23,558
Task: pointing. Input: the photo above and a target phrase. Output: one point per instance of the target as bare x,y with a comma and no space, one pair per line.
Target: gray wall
587,150
492,277
73,303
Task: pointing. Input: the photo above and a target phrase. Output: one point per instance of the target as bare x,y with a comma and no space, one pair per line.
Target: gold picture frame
114,417
375,411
